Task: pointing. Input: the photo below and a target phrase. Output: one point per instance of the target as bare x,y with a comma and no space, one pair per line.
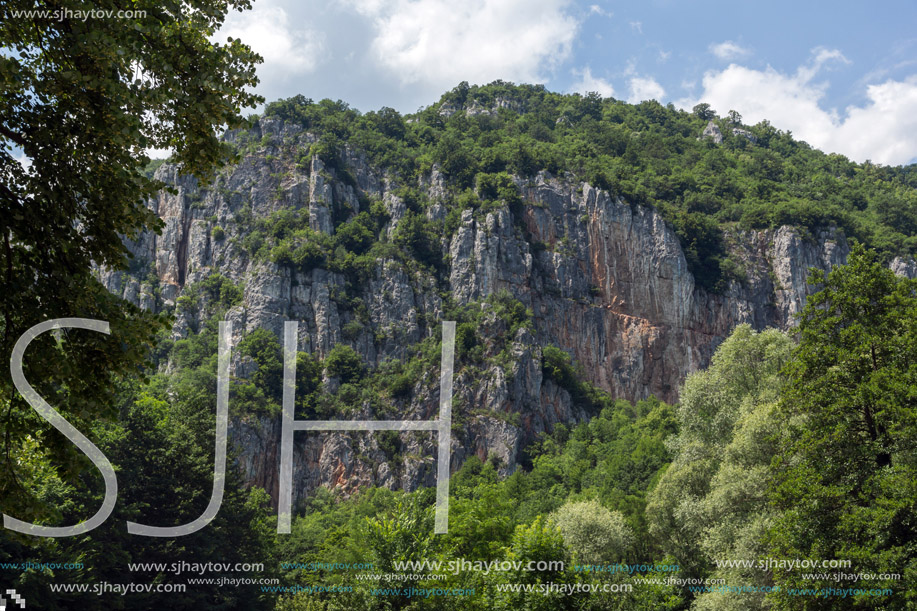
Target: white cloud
439,42
728,50
645,88
287,50
820,57
664,55
588,83
881,130
158,153
637,26
24,161
595,9
884,129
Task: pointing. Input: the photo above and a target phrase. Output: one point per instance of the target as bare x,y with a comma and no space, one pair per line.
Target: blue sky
840,75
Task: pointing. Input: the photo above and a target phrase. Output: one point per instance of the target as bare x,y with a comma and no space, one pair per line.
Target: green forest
647,154
778,449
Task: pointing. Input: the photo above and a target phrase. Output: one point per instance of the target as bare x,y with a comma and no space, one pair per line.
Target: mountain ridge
307,227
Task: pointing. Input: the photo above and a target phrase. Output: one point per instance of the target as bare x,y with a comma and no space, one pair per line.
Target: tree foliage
846,473
482,138
82,100
711,504
592,532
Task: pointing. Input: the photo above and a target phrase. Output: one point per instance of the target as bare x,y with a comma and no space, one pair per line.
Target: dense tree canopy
846,475
646,153
83,100
711,503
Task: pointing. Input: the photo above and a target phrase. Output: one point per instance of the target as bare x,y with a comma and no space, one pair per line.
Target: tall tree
711,503
846,475
83,96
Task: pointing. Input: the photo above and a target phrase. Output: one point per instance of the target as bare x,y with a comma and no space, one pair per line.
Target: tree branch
16,138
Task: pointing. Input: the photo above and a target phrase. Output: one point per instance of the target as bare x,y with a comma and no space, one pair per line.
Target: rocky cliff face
606,281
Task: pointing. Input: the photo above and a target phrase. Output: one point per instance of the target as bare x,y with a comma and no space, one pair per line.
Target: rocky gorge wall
606,281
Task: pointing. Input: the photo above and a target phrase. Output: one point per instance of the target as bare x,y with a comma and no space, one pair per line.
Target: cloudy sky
840,75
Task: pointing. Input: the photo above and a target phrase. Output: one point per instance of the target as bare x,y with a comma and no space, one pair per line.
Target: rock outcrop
738,131
713,132
605,280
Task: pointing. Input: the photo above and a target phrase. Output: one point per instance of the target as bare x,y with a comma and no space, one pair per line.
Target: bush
415,235
264,347
401,386
220,292
557,365
510,310
282,255
352,329
466,338
308,256
592,532
343,362
357,234
308,374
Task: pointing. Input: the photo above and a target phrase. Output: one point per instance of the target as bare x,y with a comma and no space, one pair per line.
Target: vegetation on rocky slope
775,450
647,154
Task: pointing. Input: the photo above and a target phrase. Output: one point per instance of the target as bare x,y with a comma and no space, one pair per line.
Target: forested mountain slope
634,238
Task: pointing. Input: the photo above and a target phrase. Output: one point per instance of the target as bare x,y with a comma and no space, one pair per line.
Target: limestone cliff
606,281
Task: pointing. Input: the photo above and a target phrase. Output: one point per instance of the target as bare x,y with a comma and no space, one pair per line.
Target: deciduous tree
83,98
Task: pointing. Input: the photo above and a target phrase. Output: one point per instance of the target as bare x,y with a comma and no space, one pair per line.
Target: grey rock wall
606,281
